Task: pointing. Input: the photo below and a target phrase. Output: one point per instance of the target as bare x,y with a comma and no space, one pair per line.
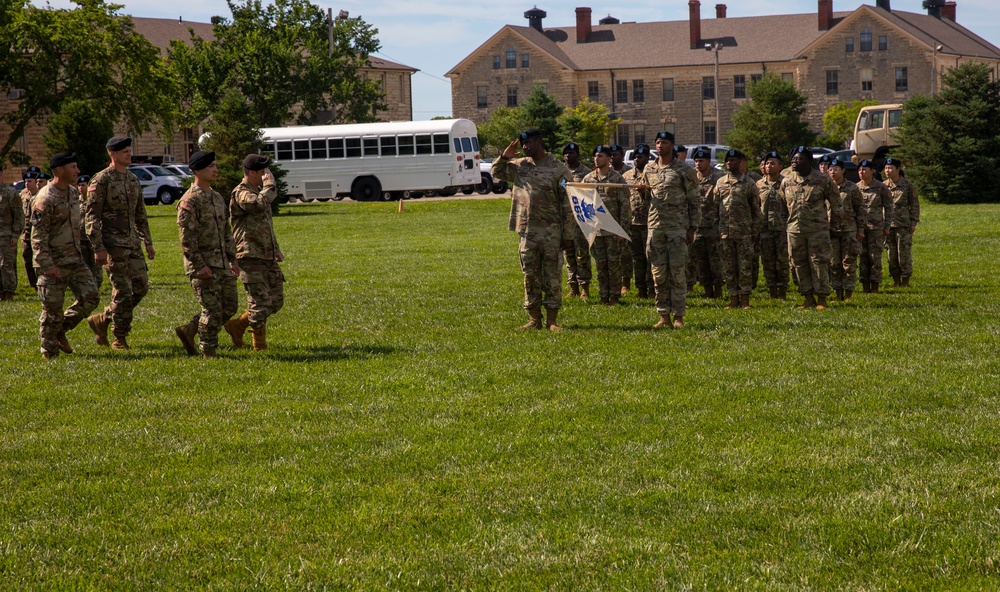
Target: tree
500,129
771,119
839,120
588,124
542,113
949,143
89,53
80,127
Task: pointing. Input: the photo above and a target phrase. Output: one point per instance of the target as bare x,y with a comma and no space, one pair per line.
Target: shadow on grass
279,353
330,353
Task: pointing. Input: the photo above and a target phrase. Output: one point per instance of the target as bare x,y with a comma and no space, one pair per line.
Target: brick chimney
720,11
694,8
949,10
825,14
583,27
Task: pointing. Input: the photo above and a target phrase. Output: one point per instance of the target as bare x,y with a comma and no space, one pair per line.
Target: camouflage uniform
206,241
56,229
877,209
638,231
704,257
773,237
27,202
116,223
578,266
809,228
257,250
674,210
11,227
543,219
905,213
739,224
844,238
626,255
607,248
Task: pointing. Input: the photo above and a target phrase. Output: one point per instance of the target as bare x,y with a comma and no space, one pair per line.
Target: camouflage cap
256,162
200,160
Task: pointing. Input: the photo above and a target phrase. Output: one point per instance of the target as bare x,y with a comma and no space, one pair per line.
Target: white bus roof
365,129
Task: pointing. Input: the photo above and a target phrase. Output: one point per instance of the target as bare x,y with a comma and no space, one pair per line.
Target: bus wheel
485,186
366,189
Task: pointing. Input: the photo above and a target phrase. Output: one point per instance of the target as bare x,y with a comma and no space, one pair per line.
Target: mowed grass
400,434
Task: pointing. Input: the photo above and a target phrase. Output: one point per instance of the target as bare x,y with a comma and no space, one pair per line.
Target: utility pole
329,27
714,48
934,72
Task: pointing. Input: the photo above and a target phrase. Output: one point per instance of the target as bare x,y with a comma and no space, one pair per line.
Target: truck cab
875,132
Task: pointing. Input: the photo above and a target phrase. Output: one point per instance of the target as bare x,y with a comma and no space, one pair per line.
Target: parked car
158,184
489,183
181,170
850,168
19,186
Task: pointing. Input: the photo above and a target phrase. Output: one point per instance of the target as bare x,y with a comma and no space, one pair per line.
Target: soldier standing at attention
905,217
681,152
257,252
116,225
704,259
545,222
578,266
209,256
619,166
774,225
82,184
32,184
638,229
674,213
846,233
812,199
607,246
878,214
55,242
11,227
739,228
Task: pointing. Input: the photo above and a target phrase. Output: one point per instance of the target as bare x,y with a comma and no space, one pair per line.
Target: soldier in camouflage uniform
578,266
607,246
674,214
774,225
209,256
55,242
82,185
905,217
704,257
117,226
878,212
846,233
755,263
739,228
638,229
619,166
32,185
257,251
544,222
11,227
811,198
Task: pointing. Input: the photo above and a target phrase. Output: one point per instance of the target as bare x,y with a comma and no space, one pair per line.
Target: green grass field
400,434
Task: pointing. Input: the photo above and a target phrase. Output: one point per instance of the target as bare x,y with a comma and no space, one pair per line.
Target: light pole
934,72
714,48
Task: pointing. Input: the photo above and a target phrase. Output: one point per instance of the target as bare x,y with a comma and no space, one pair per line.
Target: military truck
875,132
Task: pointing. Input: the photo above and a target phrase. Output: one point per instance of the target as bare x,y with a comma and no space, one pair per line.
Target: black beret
680,148
61,158
530,133
31,173
772,154
42,176
701,153
616,148
803,151
83,179
824,158
200,160
571,147
734,153
894,162
602,149
641,149
256,162
836,162
118,143
866,163
665,136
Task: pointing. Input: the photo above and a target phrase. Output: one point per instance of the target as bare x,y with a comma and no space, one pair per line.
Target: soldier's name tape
598,185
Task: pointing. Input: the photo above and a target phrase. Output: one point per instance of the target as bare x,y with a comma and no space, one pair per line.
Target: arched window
866,40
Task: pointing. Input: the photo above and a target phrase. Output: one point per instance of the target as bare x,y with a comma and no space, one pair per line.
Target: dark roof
161,32
951,36
377,63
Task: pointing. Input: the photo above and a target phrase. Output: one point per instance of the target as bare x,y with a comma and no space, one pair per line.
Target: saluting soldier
704,258
638,229
674,214
774,225
878,214
82,185
118,228
846,233
56,231
578,267
209,256
11,227
32,184
905,217
607,246
625,264
739,228
544,222
257,251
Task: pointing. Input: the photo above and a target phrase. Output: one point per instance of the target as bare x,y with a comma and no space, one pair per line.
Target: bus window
895,117
353,147
301,149
466,145
458,145
475,143
371,146
388,145
284,150
336,146
269,148
406,145
424,144
441,144
318,148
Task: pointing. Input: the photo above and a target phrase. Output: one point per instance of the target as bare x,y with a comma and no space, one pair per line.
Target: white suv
158,184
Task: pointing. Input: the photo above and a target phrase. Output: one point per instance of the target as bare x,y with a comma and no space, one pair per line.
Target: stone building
664,75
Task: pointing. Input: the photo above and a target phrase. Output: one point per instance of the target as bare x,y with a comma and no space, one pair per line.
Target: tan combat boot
50,355
237,327
663,322
186,333
809,303
209,352
678,322
584,291
99,325
550,319
820,302
848,294
574,290
734,301
64,345
744,301
534,318
119,343
258,336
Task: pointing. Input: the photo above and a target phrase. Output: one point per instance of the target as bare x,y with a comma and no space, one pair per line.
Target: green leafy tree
542,112
500,129
839,120
771,119
80,127
588,124
90,53
949,143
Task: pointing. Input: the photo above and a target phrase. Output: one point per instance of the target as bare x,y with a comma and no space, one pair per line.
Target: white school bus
371,161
